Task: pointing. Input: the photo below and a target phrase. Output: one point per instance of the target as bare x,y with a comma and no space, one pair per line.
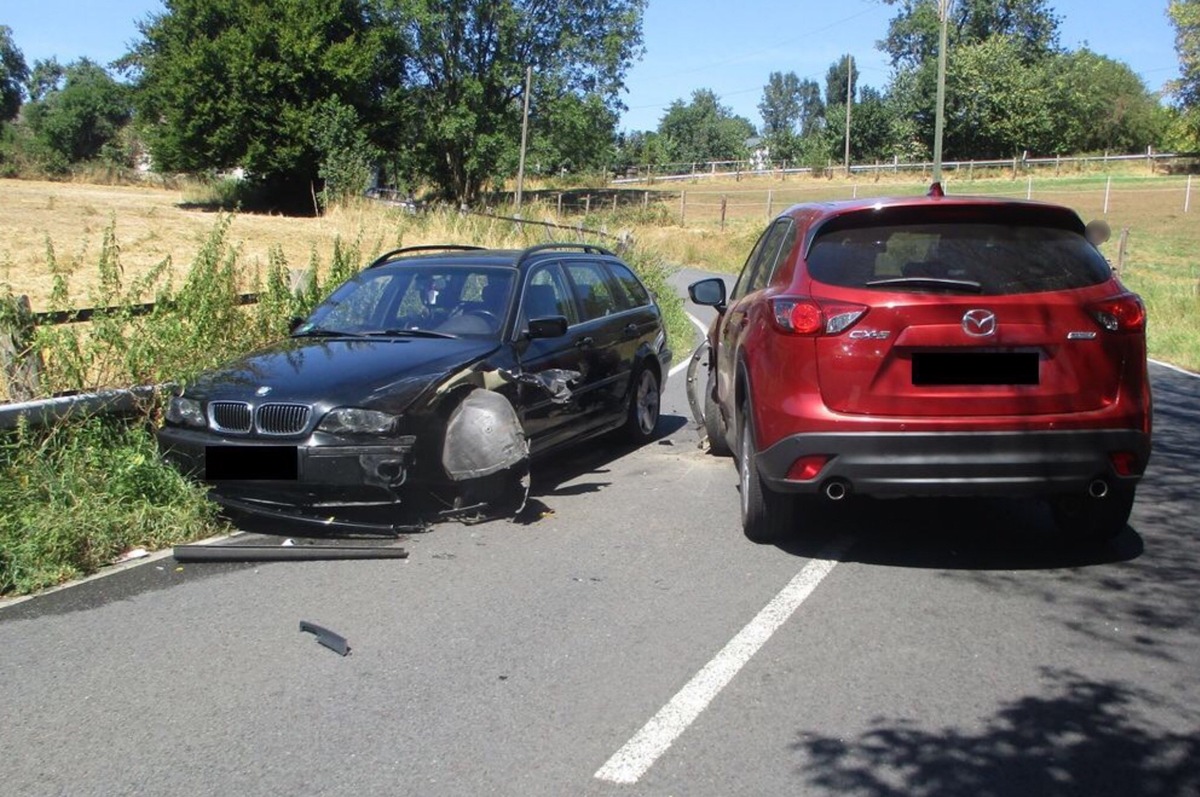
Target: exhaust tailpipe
1098,488
836,490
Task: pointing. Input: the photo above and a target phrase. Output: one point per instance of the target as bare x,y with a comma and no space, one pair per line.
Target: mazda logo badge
979,323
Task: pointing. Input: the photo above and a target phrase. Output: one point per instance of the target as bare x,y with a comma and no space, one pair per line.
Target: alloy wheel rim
647,403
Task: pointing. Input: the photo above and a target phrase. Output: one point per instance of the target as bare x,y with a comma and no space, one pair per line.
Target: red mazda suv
929,346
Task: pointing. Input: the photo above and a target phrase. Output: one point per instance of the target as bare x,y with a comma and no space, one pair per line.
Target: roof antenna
935,190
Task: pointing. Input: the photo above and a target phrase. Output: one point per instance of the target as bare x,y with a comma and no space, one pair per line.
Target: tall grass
75,496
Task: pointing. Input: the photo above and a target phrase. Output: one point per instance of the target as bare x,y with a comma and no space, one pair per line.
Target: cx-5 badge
979,323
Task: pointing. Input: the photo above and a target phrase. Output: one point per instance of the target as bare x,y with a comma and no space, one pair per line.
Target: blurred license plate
975,368
251,463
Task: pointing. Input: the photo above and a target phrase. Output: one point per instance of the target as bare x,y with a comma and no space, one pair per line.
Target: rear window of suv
967,257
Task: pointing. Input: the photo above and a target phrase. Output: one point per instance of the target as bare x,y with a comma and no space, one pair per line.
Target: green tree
45,77
347,156
468,62
246,83
642,148
835,82
780,105
812,109
1101,104
13,73
871,127
1185,16
79,120
782,111
571,133
912,37
704,129
995,104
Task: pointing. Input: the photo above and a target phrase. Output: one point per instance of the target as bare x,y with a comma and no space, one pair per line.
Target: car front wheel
644,403
718,444
767,516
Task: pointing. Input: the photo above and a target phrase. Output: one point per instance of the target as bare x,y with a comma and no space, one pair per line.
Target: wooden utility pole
849,102
524,138
939,126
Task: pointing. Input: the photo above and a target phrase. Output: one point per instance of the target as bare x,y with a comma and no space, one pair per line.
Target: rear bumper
957,463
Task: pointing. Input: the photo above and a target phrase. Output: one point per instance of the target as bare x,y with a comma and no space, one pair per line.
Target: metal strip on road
632,761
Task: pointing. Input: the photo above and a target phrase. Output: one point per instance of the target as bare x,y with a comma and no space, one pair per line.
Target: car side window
770,254
787,239
548,293
741,288
630,292
760,266
593,293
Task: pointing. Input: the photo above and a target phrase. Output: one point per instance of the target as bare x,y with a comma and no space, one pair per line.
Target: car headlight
352,420
185,411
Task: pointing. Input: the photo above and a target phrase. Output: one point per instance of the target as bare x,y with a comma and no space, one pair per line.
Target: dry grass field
151,225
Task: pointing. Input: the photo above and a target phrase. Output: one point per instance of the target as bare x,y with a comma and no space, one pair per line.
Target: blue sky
730,48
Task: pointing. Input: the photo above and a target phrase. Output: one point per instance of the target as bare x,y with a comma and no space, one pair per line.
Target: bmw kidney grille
237,417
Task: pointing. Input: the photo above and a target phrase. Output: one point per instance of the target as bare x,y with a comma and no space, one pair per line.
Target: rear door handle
631,330
585,342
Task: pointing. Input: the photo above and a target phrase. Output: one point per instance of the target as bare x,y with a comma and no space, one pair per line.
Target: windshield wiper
929,283
409,333
318,332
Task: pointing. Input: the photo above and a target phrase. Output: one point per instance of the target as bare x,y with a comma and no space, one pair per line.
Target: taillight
808,468
1123,313
814,317
1123,462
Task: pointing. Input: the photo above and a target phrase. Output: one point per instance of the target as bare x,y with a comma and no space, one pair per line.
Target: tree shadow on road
1084,738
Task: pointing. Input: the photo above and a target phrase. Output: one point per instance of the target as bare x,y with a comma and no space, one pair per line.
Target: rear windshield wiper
928,283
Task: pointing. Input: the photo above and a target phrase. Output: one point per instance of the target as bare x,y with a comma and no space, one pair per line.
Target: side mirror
294,323
554,326
709,292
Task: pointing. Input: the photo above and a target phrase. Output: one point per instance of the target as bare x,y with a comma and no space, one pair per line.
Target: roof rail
387,257
590,249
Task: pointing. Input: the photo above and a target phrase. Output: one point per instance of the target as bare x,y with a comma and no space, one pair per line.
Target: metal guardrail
46,412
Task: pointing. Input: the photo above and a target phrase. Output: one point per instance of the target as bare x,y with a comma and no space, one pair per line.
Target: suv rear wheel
767,516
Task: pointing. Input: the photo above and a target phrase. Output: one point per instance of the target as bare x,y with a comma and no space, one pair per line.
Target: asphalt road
626,639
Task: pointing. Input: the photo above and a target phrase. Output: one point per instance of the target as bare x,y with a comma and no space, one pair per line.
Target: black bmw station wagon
430,377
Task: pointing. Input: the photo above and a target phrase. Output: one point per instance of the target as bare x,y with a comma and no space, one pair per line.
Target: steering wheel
491,318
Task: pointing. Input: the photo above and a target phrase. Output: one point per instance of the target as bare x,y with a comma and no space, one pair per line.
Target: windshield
417,300
989,259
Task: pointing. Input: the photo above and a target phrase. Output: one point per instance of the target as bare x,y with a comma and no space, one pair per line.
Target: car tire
767,516
645,402
718,442
1084,518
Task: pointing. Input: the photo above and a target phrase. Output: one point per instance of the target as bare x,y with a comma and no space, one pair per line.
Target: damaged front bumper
297,478
328,482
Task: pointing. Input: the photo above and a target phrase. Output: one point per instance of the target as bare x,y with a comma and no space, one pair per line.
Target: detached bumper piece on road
283,553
